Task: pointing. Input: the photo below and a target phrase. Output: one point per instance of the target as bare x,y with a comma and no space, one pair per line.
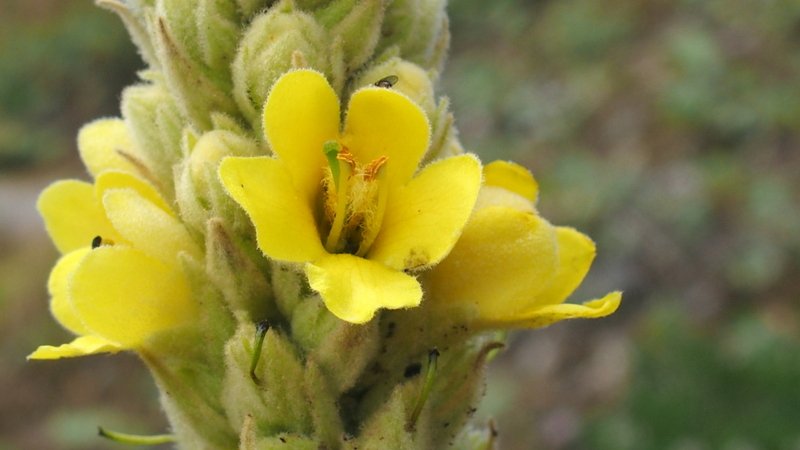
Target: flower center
353,200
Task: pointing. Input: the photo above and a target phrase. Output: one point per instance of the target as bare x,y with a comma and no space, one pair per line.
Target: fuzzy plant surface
285,228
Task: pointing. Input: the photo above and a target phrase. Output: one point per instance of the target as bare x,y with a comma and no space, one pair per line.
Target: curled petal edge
549,314
81,346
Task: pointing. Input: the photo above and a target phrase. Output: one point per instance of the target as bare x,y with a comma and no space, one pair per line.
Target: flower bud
195,72
358,23
155,124
419,29
266,52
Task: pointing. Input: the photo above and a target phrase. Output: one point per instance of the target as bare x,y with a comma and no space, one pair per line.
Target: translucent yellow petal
114,179
354,288
502,261
147,227
125,296
553,313
82,346
575,255
300,115
511,176
384,122
100,143
72,216
285,226
497,196
60,305
424,219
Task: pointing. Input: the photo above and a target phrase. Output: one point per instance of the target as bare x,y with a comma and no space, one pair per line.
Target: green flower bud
419,29
156,125
358,23
278,400
444,139
199,89
267,50
234,272
199,192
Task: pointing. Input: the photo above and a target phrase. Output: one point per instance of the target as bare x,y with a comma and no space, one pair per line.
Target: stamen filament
345,172
331,150
372,232
134,439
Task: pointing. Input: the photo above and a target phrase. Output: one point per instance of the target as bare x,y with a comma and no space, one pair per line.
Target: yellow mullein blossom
119,280
346,202
511,268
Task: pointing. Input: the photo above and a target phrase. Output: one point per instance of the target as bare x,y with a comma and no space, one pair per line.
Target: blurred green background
668,130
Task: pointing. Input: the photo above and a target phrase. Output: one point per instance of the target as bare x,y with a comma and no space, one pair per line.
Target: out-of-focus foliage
733,388
669,130
60,62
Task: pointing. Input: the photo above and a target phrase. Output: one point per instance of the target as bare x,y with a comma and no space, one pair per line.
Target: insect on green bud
387,82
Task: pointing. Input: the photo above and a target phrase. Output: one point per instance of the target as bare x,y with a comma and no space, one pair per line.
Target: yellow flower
511,268
347,204
119,280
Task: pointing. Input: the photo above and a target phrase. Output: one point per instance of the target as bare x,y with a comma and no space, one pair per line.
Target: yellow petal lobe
82,346
575,255
354,288
502,261
512,177
285,226
72,216
424,219
57,284
100,143
549,314
125,296
300,115
114,179
384,122
147,227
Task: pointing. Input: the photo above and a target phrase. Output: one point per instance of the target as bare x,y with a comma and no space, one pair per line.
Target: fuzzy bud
420,29
358,24
266,52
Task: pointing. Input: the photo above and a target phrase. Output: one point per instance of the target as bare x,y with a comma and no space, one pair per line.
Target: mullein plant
285,228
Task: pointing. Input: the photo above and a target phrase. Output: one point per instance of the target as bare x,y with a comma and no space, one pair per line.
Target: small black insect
387,82
97,242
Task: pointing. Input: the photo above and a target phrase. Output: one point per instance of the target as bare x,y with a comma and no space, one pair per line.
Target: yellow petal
575,255
147,227
114,179
497,196
512,177
354,288
502,261
125,296
82,346
60,305
100,143
72,216
300,115
553,313
424,219
383,122
285,226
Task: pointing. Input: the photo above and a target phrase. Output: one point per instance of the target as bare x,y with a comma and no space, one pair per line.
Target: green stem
135,439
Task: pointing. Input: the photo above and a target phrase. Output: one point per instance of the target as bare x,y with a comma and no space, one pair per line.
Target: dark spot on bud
97,242
412,370
387,82
390,331
282,440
